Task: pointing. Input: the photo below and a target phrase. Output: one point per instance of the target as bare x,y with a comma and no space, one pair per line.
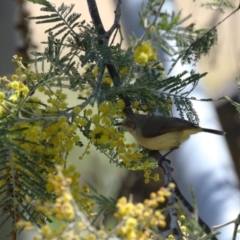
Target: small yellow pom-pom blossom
64,208
145,53
103,135
138,220
108,81
39,136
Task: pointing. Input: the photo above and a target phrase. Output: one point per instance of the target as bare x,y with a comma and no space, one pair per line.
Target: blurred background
220,157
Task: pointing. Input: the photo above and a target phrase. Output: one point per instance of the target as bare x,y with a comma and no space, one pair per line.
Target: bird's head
128,124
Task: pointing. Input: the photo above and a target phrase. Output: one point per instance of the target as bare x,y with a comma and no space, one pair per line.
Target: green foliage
20,179
77,58
105,204
220,5
62,14
186,44
201,46
141,83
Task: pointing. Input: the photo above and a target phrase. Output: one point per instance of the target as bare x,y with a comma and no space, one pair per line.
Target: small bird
161,133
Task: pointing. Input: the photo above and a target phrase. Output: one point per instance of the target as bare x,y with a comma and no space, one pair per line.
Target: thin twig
205,34
150,25
111,68
171,211
114,36
117,83
99,82
116,20
236,224
189,207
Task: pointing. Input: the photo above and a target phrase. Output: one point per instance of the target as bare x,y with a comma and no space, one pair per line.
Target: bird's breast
166,141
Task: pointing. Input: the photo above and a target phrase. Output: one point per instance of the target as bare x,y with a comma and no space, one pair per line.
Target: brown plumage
161,133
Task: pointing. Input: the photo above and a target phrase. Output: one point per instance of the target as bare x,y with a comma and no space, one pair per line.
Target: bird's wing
155,126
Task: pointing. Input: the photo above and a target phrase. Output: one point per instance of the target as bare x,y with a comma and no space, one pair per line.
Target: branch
171,212
117,83
150,25
111,67
93,10
176,193
185,202
205,34
116,24
99,82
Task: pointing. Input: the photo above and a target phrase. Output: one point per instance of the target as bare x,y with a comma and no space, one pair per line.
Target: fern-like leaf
61,14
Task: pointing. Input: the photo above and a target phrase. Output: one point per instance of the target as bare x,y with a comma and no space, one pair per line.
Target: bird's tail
213,131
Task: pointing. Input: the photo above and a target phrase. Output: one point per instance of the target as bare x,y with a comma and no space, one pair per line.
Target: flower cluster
183,228
14,89
46,131
138,221
104,136
135,221
145,53
39,136
48,146
63,208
